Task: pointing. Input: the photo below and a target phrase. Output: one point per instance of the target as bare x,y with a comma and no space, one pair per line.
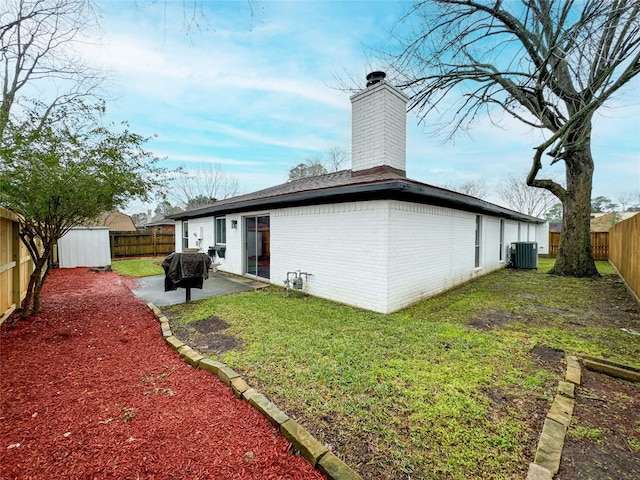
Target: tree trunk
574,252
37,304
28,299
31,303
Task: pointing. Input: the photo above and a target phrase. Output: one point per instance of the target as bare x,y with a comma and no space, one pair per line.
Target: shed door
258,249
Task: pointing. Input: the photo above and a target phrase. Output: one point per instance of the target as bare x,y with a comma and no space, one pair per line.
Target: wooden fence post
599,245
141,243
17,269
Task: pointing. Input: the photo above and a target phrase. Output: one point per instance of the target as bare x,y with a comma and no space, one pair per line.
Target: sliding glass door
257,246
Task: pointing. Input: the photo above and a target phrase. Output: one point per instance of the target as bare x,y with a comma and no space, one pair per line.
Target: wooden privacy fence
599,245
625,251
141,243
15,265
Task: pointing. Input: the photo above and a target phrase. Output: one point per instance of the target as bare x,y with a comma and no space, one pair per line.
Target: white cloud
204,159
253,93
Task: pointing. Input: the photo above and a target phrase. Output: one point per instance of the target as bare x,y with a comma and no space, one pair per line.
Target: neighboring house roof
116,221
604,222
374,184
555,227
160,220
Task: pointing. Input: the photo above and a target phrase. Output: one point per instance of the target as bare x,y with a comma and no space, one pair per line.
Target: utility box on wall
85,247
524,255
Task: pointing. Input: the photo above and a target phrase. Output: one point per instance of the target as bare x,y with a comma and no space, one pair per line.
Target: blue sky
253,88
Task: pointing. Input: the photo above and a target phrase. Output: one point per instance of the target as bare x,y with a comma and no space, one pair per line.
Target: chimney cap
375,77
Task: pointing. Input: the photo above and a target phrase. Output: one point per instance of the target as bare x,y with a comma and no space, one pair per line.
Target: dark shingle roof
345,186
159,220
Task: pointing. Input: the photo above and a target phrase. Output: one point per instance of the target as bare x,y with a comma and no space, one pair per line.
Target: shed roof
604,222
382,183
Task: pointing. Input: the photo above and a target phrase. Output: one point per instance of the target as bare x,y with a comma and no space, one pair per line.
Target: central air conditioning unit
524,255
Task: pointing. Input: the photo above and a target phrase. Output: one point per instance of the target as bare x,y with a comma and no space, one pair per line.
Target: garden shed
84,247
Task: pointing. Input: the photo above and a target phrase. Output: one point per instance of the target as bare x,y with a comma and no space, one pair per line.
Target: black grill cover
185,270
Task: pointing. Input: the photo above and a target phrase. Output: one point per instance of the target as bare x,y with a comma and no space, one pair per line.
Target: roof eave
388,190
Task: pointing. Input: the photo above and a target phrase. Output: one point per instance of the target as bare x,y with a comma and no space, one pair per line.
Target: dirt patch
603,441
205,336
549,358
91,390
493,319
544,308
209,325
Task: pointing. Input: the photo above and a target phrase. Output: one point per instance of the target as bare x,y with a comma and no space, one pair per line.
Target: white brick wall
542,237
178,236
232,262
341,245
199,226
379,125
433,249
378,255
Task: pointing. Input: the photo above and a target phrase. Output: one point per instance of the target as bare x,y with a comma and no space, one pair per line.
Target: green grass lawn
447,388
138,267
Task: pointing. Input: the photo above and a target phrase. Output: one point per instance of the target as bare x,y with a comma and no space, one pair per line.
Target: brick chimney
379,128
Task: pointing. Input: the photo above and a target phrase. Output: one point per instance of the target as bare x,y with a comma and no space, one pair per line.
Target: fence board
625,251
141,243
599,245
15,265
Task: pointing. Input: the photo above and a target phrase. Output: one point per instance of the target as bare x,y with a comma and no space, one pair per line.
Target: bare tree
548,64
525,199
627,199
473,188
336,158
311,167
202,186
37,39
332,161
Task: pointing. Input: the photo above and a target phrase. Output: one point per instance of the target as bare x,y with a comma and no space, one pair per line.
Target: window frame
220,234
185,234
501,256
478,241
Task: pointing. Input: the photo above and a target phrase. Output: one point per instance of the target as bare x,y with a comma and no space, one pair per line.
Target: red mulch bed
90,390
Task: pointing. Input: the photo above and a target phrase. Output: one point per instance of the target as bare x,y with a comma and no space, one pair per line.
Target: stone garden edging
547,459
613,369
556,424
309,447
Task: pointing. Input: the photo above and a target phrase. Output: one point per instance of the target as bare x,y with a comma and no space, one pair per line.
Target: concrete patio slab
151,289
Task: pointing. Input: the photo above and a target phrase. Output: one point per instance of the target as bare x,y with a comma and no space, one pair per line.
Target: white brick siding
232,261
379,255
542,237
178,236
342,245
379,125
197,227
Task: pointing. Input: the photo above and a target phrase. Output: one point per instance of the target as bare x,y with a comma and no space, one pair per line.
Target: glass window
478,238
258,246
221,231
501,257
185,234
